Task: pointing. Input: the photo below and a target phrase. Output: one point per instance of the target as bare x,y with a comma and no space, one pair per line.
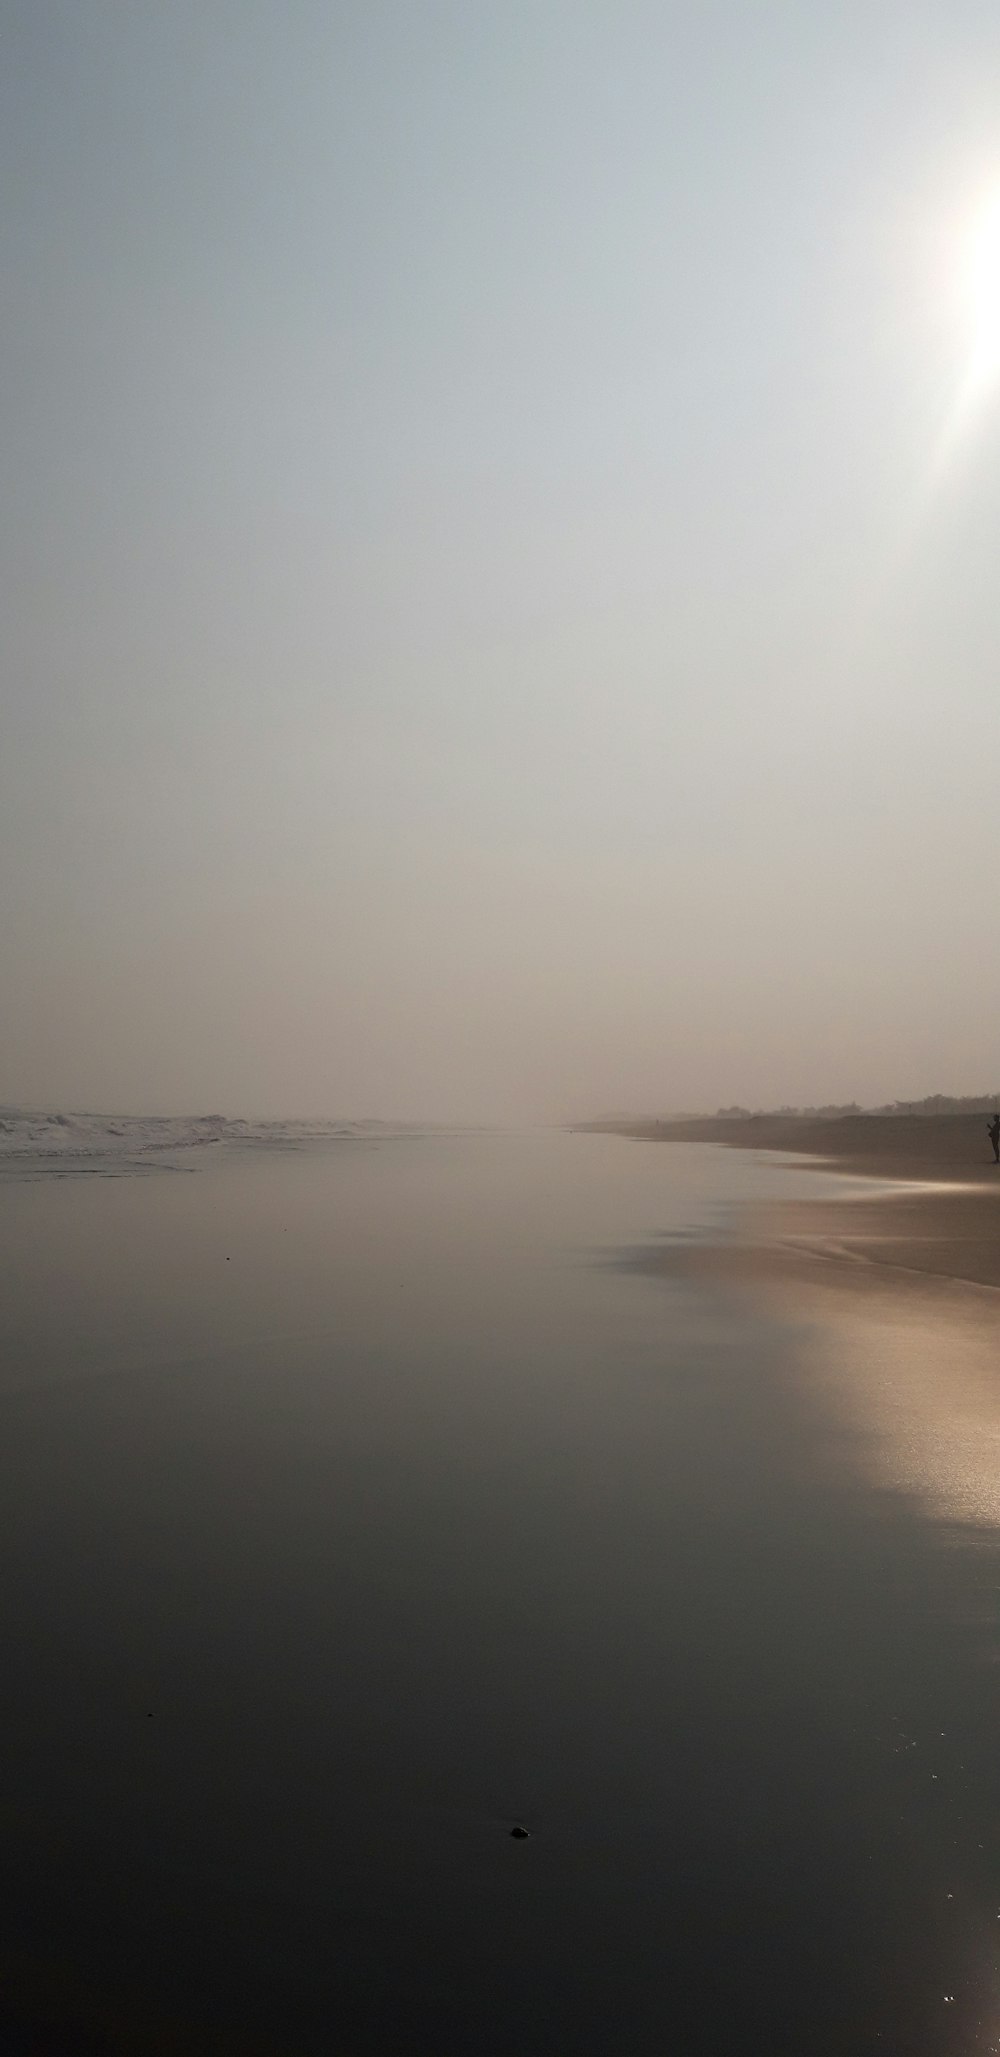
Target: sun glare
982,292
975,276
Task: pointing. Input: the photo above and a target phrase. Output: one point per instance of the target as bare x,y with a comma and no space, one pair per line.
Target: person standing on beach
993,1131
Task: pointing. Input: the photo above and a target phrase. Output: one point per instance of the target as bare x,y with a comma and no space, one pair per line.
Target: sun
982,296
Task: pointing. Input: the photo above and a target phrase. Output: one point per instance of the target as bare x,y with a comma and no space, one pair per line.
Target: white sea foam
33,1141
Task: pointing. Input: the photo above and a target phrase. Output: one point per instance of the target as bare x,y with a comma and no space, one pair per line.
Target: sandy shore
891,1290
933,1206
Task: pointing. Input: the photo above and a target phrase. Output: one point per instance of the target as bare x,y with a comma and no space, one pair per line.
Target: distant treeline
935,1103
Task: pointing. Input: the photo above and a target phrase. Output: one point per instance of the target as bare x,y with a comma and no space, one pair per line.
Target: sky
499,554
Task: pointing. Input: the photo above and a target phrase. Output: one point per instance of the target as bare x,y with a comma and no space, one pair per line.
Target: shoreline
896,1146
940,1223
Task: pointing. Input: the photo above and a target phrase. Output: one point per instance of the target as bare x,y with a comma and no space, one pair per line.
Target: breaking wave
33,1141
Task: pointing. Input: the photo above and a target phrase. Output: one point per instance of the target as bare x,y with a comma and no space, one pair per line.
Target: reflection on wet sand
859,1695
896,1297
890,1323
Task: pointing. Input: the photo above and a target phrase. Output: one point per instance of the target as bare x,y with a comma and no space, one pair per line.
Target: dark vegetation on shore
927,1109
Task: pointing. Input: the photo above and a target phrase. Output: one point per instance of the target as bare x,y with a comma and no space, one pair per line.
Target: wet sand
891,1288
357,1505
892,1145
933,1205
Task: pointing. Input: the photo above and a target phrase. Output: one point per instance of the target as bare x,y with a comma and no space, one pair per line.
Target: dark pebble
522,1834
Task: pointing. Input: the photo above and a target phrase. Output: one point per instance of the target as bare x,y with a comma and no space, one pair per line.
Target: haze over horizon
499,556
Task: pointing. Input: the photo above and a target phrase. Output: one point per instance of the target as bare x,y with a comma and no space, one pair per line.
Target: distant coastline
928,1145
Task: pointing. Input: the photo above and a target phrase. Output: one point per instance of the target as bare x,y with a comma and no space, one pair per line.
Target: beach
931,1201
890,1279
364,1499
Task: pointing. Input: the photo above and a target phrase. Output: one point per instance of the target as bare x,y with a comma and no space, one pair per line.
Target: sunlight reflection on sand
919,1378
894,1289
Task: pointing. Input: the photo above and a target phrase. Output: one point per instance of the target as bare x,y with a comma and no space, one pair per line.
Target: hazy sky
501,564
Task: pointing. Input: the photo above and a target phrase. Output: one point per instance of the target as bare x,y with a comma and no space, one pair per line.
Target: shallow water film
366,1499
